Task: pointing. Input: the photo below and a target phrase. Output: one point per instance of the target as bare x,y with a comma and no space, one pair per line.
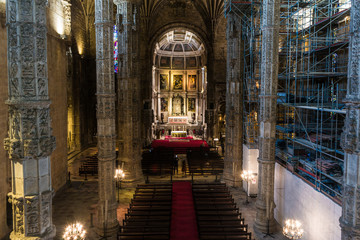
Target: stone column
234,105
268,93
30,141
106,131
350,219
129,92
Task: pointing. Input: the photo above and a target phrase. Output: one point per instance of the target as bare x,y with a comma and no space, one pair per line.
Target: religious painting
178,106
178,62
164,104
165,62
191,104
177,82
164,82
191,82
191,62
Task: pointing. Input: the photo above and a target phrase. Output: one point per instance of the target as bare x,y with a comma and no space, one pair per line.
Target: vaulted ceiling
210,10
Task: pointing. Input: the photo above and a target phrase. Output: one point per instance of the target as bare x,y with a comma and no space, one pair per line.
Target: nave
217,208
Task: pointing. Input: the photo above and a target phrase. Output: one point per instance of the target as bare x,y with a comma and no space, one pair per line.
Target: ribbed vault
210,10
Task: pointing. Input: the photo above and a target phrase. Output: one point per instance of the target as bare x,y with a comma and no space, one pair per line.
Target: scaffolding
313,55
312,85
249,14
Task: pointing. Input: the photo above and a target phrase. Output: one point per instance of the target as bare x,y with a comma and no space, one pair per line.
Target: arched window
116,50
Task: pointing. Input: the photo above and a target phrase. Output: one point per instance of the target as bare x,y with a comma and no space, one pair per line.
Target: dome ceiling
179,42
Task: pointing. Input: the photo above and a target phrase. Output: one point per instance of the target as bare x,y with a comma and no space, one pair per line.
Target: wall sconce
63,36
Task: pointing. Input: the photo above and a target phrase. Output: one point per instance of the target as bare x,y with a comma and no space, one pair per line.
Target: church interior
180,119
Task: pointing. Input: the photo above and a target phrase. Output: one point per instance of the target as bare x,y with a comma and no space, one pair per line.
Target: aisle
183,218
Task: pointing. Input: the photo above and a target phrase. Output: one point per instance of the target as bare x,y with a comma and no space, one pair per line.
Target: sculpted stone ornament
234,111
265,221
129,92
29,142
107,223
350,138
67,14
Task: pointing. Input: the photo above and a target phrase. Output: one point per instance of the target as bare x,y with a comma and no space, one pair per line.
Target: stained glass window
116,50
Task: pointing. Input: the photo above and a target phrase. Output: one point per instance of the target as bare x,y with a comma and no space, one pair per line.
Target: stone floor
77,202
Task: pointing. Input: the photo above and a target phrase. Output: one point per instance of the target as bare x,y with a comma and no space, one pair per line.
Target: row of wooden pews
149,214
217,215
204,163
157,162
89,165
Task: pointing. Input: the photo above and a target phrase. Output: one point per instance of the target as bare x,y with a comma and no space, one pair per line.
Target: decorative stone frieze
67,16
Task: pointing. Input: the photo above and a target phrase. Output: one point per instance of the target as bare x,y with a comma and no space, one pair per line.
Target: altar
178,133
178,120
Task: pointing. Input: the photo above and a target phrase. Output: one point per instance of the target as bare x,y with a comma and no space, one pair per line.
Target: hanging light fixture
248,176
292,229
119,176
74,232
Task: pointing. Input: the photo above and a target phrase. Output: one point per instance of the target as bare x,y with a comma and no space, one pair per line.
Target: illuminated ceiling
179,42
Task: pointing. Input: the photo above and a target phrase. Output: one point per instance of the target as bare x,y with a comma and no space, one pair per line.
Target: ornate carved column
267,116
106,131
129,104
350,139
29,142
234,106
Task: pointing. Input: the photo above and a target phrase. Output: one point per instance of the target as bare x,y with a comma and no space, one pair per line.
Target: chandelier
292,229
74,232
119,174
248,176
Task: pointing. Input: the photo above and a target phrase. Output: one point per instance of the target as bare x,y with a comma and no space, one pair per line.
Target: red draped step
183,218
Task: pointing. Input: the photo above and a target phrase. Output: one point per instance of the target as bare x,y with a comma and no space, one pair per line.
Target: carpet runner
183,218
180,143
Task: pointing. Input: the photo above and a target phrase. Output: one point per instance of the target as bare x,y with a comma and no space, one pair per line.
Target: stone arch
180,25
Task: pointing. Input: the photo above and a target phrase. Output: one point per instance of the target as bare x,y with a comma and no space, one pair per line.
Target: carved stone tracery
129,91
106,215
234,108
29,142
267,115
350,138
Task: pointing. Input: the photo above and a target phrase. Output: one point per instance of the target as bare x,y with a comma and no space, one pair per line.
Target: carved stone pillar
350,139
234,105
268,93
30,141
129,104
106,131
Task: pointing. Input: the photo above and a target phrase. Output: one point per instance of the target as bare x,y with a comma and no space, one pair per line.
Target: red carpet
180,143
183,218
